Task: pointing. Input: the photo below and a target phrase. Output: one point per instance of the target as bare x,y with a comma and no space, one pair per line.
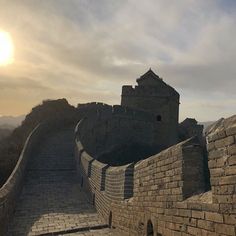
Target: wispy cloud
85,50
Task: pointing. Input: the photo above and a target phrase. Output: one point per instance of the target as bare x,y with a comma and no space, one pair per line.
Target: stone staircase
52,202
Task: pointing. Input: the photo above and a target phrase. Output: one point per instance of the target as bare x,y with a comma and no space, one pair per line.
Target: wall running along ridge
10,191
107,126
164,193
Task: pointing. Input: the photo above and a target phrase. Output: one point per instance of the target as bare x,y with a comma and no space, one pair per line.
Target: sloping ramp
51,202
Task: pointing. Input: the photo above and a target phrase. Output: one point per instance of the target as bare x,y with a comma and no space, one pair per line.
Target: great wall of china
59,186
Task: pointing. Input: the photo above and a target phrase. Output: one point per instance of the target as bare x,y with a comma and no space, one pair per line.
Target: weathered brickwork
168,189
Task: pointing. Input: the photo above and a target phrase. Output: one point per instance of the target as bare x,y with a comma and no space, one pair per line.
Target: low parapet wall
168,189
10,191
103,183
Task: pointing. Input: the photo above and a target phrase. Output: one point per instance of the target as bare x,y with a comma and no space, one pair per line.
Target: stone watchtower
153,95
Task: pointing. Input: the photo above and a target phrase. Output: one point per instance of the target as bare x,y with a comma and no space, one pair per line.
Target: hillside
5,132
11,146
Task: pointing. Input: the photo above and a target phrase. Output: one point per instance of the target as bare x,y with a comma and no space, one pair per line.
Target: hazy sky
85,50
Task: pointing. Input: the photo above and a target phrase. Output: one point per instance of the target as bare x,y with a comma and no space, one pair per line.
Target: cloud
85,50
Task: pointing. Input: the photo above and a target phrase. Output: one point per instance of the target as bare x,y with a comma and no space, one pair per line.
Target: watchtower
153,95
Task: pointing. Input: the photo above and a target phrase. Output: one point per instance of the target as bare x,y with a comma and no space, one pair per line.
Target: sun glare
6,49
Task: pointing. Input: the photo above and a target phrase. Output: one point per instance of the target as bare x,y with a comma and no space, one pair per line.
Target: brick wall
168,190
222,164
107,126
103,183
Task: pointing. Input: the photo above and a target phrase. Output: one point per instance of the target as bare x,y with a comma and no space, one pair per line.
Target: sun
6,49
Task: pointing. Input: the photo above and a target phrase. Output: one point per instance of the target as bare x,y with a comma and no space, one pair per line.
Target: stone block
232,150
227,180
184,212
218,153
230,219
224,142
215,217
198,214
232,160
210,146
226,208
230,170
225,229
208,225
224,189
231,130
224,198
194,231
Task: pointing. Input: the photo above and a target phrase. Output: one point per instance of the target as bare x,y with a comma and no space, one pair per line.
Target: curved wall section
10,191
103,183
108,126
168,188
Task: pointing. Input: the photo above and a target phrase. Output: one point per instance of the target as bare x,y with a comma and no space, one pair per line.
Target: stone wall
189,128
102,183
222,164
152,94
10,191
107,126
167,191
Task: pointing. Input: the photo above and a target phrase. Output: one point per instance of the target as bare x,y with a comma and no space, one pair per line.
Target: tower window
159,118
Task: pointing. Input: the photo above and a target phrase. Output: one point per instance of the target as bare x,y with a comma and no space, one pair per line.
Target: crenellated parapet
167,192
107,126
104,111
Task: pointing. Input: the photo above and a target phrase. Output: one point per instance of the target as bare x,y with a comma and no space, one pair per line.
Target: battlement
117,125
167,189
157,92
128,90
104,111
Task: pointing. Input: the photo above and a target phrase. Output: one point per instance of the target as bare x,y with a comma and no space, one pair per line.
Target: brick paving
51,200
99,232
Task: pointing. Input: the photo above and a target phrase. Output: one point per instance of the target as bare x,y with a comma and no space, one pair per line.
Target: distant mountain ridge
11,121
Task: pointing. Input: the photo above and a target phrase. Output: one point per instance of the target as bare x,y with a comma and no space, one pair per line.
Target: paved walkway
51,200
100,232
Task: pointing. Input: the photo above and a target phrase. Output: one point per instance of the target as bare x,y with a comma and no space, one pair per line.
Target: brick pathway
51,200
100,232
